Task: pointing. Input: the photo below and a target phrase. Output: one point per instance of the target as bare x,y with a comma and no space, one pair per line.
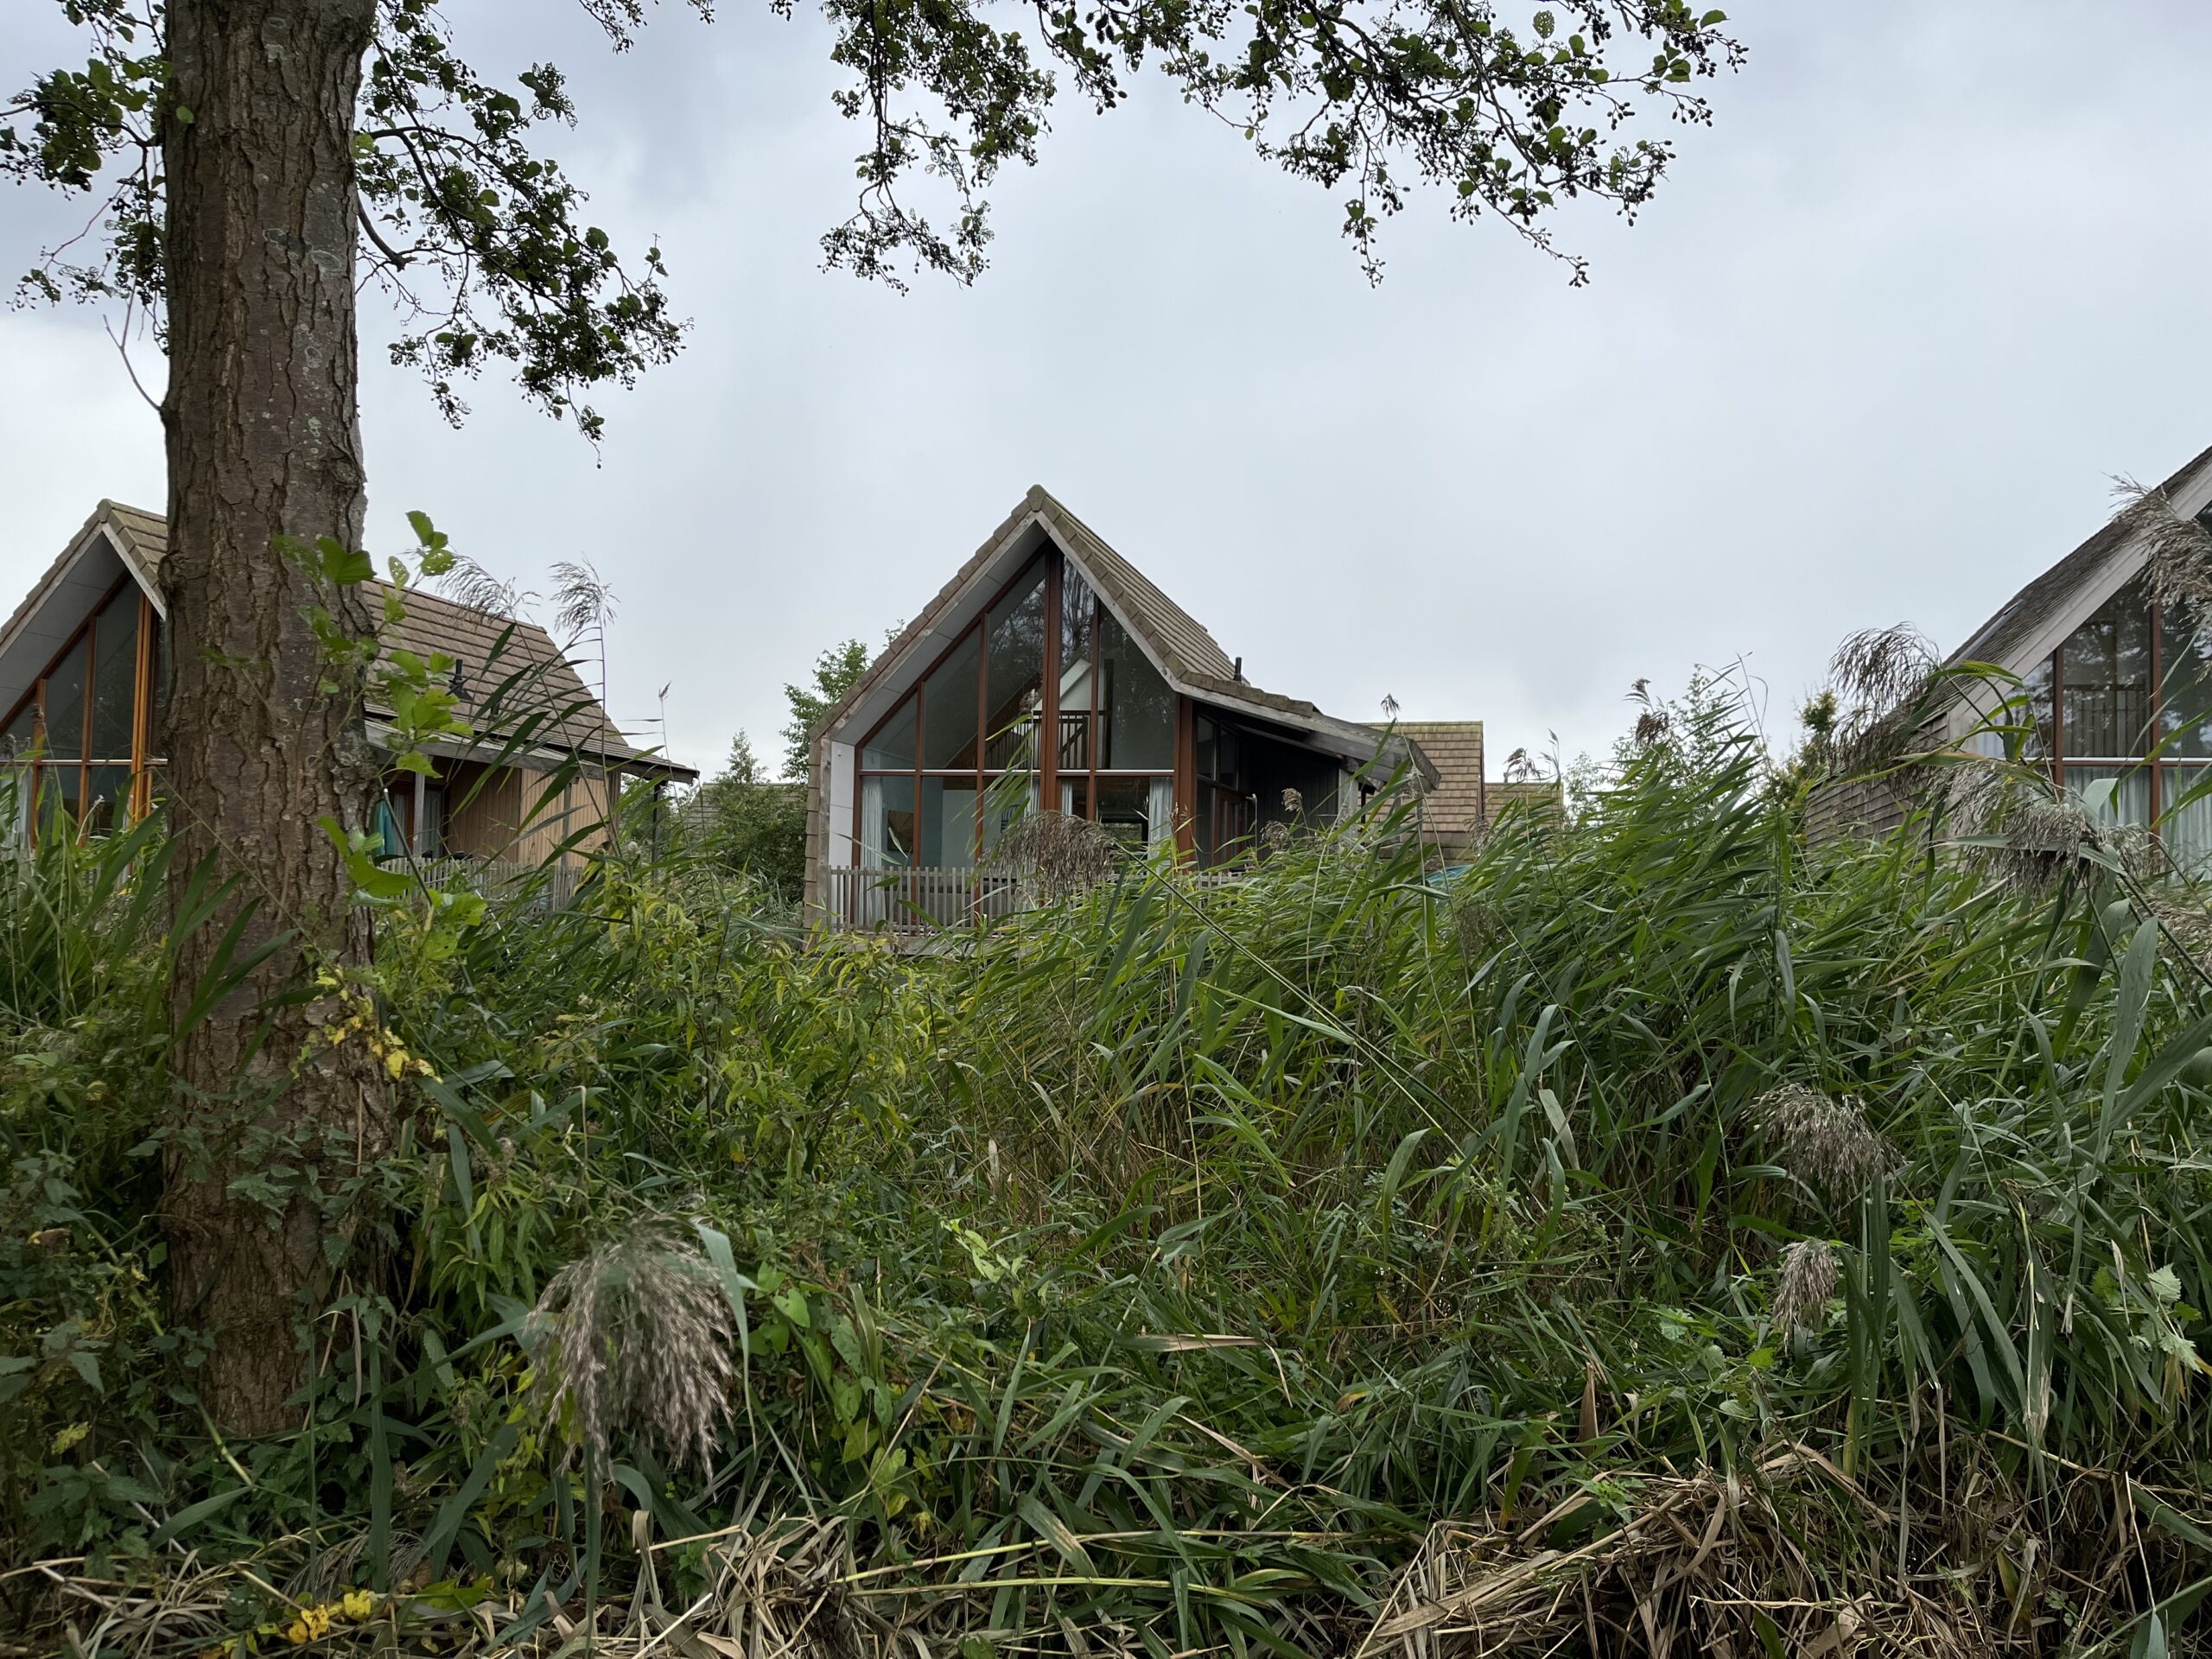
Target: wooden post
1186,778
141,713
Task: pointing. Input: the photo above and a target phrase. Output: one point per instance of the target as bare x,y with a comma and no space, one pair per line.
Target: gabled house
2118,692
81,668
1049,672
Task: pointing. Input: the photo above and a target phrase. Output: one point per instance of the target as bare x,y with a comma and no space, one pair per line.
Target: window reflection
2105,671
1013,669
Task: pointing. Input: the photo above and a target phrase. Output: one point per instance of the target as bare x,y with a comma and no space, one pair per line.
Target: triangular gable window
964,753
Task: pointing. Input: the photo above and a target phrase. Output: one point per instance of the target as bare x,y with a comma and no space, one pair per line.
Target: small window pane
2187,828
1013,672
1074,795
1138,812
1008,799
949,711
1136,711
2035,688
107,797
115,676
948,823
22,733
2185,718
59,788
65,707
892,749
2106,675
886,823
2115,795
1078,609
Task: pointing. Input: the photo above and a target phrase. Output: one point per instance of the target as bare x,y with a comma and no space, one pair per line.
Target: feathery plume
1825,1142
1809,1280
635,1338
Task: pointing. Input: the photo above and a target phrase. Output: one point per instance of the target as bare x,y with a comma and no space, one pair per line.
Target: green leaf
192,1514
1054,1531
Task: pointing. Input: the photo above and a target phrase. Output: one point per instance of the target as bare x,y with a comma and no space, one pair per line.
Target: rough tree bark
262,441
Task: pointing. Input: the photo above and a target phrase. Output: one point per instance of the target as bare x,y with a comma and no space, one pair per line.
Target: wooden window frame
2157,765
141,761
1047,767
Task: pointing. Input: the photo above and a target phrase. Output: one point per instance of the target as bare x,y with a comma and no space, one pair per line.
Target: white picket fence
494,877
922,900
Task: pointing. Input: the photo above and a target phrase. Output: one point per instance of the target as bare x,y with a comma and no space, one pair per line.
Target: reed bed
1663,1236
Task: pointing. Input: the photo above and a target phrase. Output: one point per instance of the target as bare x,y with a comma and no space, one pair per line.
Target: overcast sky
1874,355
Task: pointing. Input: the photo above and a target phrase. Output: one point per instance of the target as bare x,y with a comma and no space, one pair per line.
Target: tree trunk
272,1117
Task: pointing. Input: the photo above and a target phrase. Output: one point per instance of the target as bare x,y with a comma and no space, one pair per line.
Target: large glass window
76,738
951,706
1136,711
886,823
949,822
956,763
1079,637
2105,670
2122,711
892,749
1013,666
115,679
2185,692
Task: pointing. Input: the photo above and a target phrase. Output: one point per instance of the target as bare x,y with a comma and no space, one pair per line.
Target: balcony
915,902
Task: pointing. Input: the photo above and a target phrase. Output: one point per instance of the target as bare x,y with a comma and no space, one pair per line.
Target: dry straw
1060,855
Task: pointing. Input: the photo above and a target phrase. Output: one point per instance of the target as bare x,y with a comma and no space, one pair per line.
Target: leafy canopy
479,237
835,672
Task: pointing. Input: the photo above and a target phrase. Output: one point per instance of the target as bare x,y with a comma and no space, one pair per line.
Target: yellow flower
358,1604
312,1625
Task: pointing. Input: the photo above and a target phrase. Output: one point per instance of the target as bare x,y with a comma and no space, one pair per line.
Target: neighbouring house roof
1498,797
1178,643
2066,593
1453,807
487,650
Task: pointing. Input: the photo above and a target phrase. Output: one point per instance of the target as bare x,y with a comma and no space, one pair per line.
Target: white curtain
875,833
1159,812
2187,826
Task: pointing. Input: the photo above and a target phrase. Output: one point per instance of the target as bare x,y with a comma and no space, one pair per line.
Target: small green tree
750,826
835,672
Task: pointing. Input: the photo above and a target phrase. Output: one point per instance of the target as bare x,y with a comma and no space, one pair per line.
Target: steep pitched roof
486,650
2058,591
1185,651
1176,638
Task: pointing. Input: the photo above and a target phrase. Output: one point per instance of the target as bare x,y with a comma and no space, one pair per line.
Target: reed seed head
635,1338
1809,1280
1061,853
1825,1142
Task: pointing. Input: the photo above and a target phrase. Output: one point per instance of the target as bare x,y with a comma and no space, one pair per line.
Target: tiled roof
488,651
1453,805
516,665
1179,640
1176,640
